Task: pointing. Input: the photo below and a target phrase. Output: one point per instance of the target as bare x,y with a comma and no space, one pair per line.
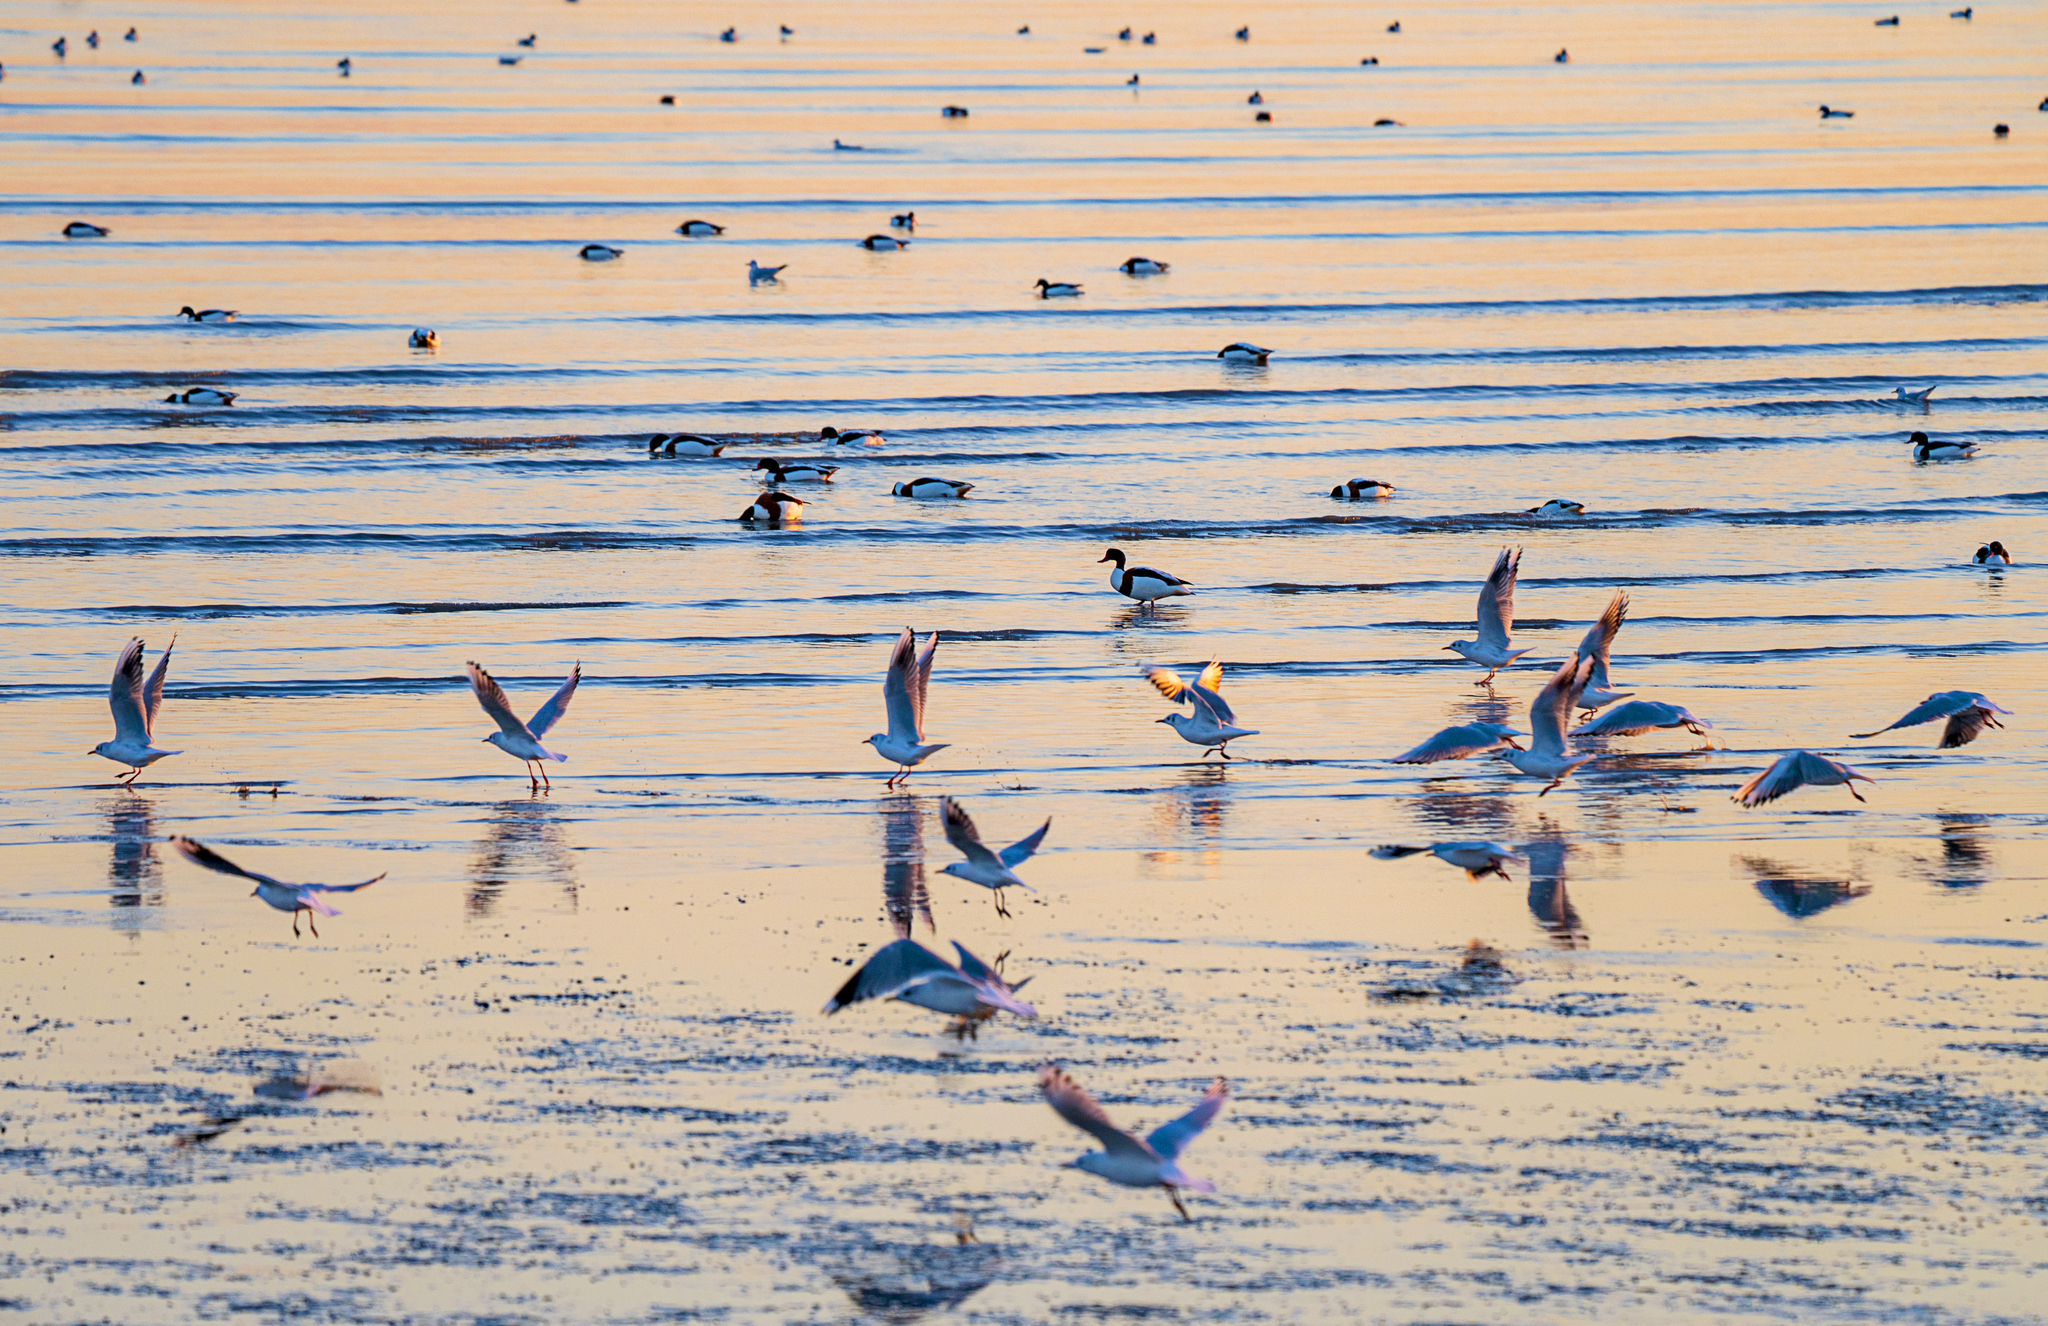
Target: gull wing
492,697
974,967
1794,770
1963,728
338,888
1453,743
1170,1139
1201,693
1547,714
201,855
124,696
960,832
1395,851
1943,704
894,968
1600,639
1017,853
900,695
1497,599
1635,717
153,694
1167,682
558,704
1073,1103
1212,676
312,901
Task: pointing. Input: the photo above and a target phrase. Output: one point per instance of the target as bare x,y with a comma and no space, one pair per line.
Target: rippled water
1735,1066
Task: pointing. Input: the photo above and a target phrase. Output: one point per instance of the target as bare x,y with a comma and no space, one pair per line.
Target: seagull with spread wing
1968,713
1496,618
1640,716
522,740
903,692
1476,859
1593,693
1548,756
1151,1163
1457,743
1211,724
293,898
135,703
995,871
1797,769
908,971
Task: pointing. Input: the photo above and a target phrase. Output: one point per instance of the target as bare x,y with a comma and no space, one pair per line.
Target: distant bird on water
1395,26
992,870
1562,57
756,272
191,314
932,488
729,35
1124,1159
135,703
774,508
1794,770
1557,508
696,227
293,898
1211,724
1141,267
1993,554
510,59
1496,619
60,46
92,39
1142,582
84,230
138,80
529,39
1891,22
424,338
129,36
884,243
1960,13
1830,113
345,65
1244,33
1057,289
1244,352
904,687
1361,490
1132,81
522,740
871,436
599,253
781,472
684,444
1924,450
838,146
904,220
1256,99
200,396
1919,397
1968,714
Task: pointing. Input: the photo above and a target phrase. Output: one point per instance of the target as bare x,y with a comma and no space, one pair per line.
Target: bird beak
1449,646
1167,719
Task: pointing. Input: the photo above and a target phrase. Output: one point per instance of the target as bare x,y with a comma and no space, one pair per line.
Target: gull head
102,749
1095,1162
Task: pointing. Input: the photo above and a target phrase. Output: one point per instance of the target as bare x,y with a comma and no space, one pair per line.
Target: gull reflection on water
1549,903
905,1282
524,841
1965,861
1193,811
135,877
1797,894
1452,811
904,895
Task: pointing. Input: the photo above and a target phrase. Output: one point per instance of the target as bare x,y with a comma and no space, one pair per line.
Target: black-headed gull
293,898
903,696
1476,859
1794,770
1597,645
1968,713
1639,716
522,740
1547,756
994,871
1914,397
1210,723
135,703
908,971
756,272
1142,582
1461,742
1151,1163
1496,618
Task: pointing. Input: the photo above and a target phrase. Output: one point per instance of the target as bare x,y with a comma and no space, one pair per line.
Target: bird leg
531,781
133,774
1174,1197
1553,783
545,781
295,921
1487,678
310,923
1004,911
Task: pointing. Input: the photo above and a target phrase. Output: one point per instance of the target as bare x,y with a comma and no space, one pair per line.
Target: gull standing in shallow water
1456,743
1211,724
1152,1163
1968,713
908,971
1496,618
135,705
518,739
1547,756
1794,770
1477,860
903,692
995,871
293,898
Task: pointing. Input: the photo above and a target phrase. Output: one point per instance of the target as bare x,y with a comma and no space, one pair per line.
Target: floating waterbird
424,338
872,437
599,253
134,703
953,112
293,898
200,396
774,508
929,487
1924,450
1141,267
1244,352
1968,713
1142,582
1496,619
904,687
191,314
1152,1163
1210,724
1556,509
1993,554
695,227
780,472
1361,490
756,272
904,220
884,243
1057,289
84,230
994,871
529,39
1830,113
522,740
684,444
1914,397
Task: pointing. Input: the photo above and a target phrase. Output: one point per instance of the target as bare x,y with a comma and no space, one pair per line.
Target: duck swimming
200,396
599,253
1057,289
867,435
932,488
1923,450
191,314
904,220
1244,352
84,230
529,39
775,508
1993,554
1555,508
1141,267
884,243
1830,113
1362,490
780,472
424,338
684,444
696,227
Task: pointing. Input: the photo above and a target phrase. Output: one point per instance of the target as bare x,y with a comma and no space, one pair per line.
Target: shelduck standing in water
872,437
1923,450
1142,582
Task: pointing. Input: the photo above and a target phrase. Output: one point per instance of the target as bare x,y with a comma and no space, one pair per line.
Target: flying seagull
992,870
293,898
1548,756
1124,1159
1476,859
1496,618
1456,743
135,704
903,692
1594,692
1794,770
908,971
522,740
1968,714
1211,724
